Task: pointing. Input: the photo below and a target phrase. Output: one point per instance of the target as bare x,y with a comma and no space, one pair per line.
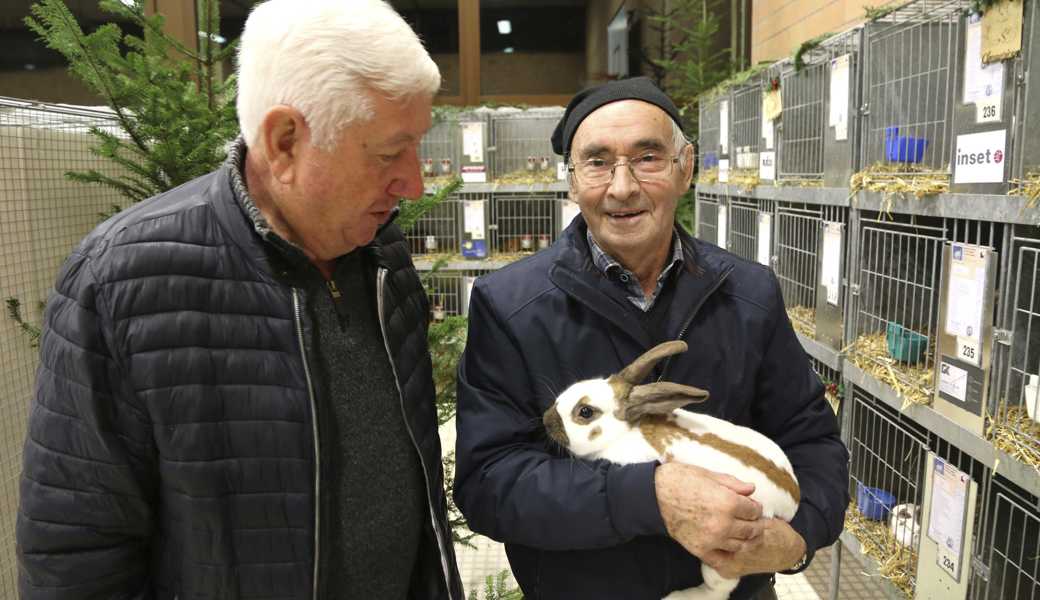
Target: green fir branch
14,312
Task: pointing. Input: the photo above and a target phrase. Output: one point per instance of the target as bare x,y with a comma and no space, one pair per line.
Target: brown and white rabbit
619,420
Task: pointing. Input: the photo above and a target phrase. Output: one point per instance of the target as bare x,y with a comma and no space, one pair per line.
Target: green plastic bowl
905,345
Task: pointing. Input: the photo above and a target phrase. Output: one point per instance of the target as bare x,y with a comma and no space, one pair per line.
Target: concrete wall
778,27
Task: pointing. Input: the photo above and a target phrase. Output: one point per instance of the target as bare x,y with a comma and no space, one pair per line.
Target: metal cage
442,152
710,146
746,116
1007,550
523,222
818,131
438,231
799,235
888,454
709,208
750,228
910,86
522,146
832,382
1015,406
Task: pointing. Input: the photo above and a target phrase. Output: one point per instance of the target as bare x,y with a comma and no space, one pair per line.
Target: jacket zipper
689,320
380,282
314,427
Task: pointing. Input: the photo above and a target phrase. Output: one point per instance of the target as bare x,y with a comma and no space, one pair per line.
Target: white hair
323,58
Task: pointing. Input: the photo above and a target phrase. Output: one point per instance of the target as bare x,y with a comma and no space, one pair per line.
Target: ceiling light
505,27
508,50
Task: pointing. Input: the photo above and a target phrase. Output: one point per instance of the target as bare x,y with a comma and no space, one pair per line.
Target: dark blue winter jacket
575,529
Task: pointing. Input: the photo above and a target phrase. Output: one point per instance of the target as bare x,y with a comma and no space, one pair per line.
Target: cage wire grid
911,86
521,142
708,206
43,216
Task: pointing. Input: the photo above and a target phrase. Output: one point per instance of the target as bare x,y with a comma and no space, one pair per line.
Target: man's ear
687,161
282,133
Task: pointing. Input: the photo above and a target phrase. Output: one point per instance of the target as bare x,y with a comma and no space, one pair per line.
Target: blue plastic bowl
905,345
874,503
903,149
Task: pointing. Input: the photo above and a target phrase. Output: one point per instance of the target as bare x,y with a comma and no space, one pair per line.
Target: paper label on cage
561,171
473,141
947,512
474,174
772,105
953,381
1002,31
723,170
724,126
767,166
981,82
722,227
473,219
965,294
980,157
568,210
988,111
830,267
838,112
765,238
767,132
969,350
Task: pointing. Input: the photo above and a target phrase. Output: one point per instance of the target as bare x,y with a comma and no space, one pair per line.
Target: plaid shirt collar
614,271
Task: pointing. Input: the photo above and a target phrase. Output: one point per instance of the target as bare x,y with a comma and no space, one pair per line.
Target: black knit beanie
586,101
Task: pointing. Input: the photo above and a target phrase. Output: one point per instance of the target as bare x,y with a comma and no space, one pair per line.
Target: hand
707,511
778,548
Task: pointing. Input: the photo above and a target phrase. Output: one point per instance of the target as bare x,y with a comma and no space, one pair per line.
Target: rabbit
903,525
619,420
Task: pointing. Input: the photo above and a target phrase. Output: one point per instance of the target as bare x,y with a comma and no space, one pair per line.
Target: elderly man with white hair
235,397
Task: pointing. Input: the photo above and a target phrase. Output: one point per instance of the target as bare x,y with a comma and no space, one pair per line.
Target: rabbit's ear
641,367
659,399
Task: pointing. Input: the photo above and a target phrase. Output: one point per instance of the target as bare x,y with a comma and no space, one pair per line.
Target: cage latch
980,568
1002,336
854,288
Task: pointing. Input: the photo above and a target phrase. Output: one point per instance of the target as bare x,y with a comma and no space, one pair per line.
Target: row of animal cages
929,98
500,224
505,145
935,521
448,289
943,311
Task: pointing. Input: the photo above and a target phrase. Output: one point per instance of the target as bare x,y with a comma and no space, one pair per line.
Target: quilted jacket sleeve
507,484
88,474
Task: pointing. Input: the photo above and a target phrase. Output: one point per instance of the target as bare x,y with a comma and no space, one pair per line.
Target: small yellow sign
1002,31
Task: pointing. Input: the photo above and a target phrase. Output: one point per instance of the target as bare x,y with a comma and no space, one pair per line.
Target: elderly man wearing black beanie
622,278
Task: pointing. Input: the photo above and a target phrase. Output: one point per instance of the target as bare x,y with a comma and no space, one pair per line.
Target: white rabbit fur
659,433
904,526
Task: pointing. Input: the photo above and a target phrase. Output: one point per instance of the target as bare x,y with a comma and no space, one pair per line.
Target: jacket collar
574,272
242,220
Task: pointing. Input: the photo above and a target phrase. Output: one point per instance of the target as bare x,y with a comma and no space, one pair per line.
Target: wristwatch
798,566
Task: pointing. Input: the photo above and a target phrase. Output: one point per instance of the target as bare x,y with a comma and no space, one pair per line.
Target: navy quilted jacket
580,530
171,444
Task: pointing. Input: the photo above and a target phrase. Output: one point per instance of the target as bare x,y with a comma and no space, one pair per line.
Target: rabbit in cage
904,524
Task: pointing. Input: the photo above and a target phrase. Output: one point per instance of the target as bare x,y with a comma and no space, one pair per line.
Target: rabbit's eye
585,412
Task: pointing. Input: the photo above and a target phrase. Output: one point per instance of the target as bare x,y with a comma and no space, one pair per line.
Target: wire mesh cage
456,142
43,215
909,89
751,228
1008,546
448,289
709,209
438,231
522,149
523,222
888,455
800,231
1015,409
711,146
820,114
746,118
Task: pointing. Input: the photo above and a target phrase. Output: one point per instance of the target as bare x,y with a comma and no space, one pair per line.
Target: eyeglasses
645,168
